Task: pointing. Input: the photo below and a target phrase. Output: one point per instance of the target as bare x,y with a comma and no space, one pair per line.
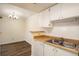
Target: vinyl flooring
16,49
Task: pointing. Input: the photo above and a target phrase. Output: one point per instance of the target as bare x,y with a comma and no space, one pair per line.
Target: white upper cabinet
45,18
37,20
70,10
40,19
56,12
64,10
34,23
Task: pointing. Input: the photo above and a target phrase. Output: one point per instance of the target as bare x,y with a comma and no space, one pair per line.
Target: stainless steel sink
69,45
55,42
72,46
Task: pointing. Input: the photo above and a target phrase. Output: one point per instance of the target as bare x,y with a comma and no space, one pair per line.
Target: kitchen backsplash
66,29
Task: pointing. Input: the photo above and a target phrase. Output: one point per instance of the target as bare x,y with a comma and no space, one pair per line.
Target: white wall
11,30
71,32
67,29
28,35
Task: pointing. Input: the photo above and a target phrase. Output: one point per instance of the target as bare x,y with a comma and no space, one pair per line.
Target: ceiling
8,9
36,7
23,9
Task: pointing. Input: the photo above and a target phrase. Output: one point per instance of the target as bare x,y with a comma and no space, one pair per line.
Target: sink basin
55,42
69,45
64,44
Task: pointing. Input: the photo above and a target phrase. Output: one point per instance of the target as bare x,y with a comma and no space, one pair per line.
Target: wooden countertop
44,38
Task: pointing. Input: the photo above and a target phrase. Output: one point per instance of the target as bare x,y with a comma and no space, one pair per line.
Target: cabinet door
56,12
45,18
61,52
32,21
67,53
37,19
37,48
53,51
48,50
41,19
70,10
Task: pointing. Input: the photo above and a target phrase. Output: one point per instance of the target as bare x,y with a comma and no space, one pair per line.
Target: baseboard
13,42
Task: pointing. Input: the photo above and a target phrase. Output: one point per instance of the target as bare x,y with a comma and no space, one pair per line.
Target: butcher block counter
45,38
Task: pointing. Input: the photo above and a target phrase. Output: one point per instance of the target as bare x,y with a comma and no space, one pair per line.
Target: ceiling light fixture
13,16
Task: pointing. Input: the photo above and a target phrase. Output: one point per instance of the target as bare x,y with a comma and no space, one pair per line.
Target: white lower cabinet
42,49
61,52
53,51
37,48
48,50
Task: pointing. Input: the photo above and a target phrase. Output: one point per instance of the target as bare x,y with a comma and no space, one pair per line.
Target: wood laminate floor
16,49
